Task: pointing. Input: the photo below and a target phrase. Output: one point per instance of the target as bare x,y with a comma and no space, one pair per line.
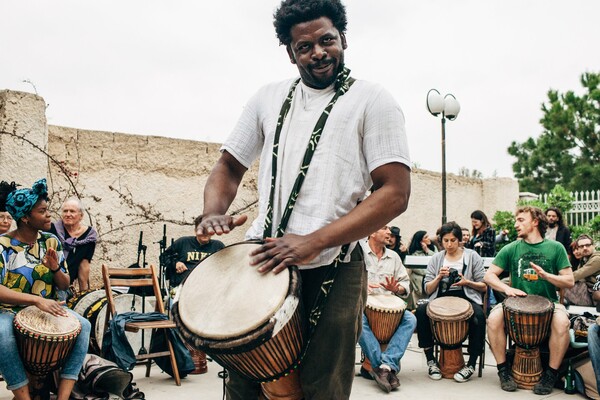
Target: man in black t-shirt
188,252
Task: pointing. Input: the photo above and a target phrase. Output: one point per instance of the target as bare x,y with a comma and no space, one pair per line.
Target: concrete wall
133,183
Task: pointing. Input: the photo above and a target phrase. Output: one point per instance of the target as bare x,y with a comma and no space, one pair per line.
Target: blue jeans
11,365
594,349
396,347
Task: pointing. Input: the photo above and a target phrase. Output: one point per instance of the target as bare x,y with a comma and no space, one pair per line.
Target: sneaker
464,374
434,370
381,377
393,379
546,384
507,383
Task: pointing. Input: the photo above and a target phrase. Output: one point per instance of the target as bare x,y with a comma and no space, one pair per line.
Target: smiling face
5,222
317,49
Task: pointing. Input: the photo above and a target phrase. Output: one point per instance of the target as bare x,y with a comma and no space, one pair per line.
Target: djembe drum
44,341
384,313
248,322
527,320
449,317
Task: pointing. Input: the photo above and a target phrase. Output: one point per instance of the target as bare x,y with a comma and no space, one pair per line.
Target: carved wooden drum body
527,321
248,322
449,317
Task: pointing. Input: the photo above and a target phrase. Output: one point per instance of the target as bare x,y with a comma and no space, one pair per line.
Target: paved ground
415,384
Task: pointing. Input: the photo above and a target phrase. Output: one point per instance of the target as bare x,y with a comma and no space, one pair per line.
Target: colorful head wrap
20,202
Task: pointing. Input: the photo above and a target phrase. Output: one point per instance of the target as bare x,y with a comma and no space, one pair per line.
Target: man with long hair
553,271
557,229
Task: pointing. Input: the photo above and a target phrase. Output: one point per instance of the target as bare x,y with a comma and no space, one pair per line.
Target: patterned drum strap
342,85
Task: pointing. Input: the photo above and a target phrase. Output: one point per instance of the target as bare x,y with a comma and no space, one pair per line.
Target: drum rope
343,84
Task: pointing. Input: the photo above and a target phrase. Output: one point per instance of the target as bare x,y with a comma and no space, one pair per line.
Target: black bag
99,377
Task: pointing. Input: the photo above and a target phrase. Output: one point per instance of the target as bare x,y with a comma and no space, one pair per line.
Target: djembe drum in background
384,313
449,317
527,321
248,322
44,341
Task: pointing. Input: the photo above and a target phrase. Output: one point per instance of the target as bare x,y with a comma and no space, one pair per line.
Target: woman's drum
248,322
527,320
449,317
44,341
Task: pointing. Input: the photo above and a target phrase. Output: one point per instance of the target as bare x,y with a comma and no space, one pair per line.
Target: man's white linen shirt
389,265
364,131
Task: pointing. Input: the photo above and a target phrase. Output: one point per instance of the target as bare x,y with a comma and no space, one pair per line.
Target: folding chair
140,277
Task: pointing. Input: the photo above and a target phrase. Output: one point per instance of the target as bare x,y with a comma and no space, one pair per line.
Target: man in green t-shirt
536,266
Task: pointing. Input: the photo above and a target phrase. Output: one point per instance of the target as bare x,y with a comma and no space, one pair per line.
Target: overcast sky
185,69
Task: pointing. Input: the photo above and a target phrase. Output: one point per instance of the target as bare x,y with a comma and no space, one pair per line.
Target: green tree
568,150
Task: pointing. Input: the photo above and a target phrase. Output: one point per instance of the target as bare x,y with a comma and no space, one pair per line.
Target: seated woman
420,245
78,241
5,222
483,238
32,269
470,287
584,274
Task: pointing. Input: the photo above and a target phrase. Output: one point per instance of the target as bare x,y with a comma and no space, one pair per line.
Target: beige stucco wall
24,136
132,183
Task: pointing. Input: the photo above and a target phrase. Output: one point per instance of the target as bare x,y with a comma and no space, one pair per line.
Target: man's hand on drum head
219,224
51,306
280,253
512,292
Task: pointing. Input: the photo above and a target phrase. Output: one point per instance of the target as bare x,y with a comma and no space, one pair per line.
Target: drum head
225,297
45,324
530,304
449,308
123,303
386,302
85,301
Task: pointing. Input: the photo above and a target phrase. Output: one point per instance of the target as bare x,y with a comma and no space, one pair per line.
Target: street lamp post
449,108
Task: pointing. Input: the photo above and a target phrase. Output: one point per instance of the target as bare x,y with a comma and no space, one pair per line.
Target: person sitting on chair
32,269
550,266
454,271
386,275
189,251
77,239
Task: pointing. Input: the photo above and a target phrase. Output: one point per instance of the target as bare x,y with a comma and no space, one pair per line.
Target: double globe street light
449,108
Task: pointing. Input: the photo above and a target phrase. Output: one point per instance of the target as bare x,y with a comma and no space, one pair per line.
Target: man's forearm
222,184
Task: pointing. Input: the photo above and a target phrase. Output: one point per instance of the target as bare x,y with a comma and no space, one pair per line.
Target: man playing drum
352,145
387,276
32,268
537,266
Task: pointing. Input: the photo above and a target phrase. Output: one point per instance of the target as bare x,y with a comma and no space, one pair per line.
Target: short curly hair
292,12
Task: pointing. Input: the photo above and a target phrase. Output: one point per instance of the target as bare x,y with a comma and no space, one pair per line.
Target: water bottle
570,381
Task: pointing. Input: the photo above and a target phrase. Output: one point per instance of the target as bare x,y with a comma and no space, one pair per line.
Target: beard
552,224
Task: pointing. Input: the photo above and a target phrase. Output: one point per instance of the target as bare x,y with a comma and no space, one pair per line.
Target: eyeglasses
5,218
581,246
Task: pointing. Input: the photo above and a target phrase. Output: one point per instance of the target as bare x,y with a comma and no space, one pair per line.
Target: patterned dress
21,267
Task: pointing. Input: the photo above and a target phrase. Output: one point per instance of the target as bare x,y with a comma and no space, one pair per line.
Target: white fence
585,207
